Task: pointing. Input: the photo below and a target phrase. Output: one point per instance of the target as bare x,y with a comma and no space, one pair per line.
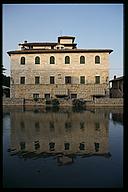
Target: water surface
63,148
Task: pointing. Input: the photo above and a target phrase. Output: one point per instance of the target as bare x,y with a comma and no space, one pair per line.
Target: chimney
114,76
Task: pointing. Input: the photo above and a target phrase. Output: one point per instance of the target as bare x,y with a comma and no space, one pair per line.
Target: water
63,148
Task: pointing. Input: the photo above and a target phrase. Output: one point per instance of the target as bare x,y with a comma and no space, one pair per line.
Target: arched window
22,60
82,60
67,60
52,60
97,59
37,60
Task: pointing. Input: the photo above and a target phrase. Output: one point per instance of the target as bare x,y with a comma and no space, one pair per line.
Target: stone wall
118,102
108,102
82,91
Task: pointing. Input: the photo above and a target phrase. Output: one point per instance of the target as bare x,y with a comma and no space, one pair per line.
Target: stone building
116,87
59,69
65,132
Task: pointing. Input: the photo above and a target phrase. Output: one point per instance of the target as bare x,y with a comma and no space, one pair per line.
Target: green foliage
35,99
55,102
5,80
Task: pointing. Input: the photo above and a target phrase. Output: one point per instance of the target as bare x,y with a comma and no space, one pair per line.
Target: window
68,125
22,80
97,126
67,60
66,145
97,79
82,79
81,125
47,96
52,60
36,95
37,80
73,95
22,61
37,60
82,146
82,60
37,145
51,146
52,80
37,126
22,145
51,125
97,145
22,124
97,59
68,80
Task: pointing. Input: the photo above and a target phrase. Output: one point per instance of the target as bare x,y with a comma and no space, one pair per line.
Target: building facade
50,70
116,87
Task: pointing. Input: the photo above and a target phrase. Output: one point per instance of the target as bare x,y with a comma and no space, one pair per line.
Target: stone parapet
101,102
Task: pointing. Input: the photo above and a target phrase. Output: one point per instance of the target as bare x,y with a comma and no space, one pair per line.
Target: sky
97,26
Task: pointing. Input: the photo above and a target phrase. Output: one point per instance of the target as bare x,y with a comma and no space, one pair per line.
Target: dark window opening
81,125
82,79
22,80
82,60
68,125
67,60
97,79
36,95
22,145
97,147
73,95
82,146
97,126
37,80
37,60
47,96
22,61
66,145
68,80
52,80
37,126
51,125
52,60
51,146
37,145
97,59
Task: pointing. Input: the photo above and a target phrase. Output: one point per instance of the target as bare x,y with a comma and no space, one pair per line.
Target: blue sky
93,25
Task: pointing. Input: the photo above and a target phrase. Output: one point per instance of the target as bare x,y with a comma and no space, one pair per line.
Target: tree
4,79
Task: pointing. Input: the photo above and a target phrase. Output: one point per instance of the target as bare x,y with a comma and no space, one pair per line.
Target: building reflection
117,117
64,134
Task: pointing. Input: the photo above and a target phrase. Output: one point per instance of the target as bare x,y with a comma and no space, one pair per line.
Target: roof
31,51
66,37
46,44
38,44
117,79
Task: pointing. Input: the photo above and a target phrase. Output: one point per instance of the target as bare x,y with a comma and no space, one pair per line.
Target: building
62,133
6,91
59,69
116,87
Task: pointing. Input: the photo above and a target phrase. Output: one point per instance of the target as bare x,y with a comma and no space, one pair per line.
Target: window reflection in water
64,134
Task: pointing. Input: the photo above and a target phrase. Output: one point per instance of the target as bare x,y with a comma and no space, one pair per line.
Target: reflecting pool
63,147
